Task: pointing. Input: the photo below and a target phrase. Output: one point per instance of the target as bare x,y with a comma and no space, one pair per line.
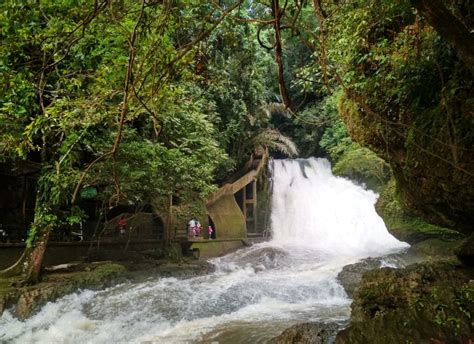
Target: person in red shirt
122,224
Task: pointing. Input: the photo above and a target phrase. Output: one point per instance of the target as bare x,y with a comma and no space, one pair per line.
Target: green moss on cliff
405,225
364,166
410,99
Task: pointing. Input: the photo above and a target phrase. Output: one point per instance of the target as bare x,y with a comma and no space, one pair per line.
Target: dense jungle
111,107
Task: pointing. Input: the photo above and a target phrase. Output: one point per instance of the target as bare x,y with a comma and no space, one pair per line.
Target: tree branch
449,27
278,53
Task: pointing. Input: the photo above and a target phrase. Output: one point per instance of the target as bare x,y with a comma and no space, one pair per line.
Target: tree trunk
29,264
35,259
453,30
276,11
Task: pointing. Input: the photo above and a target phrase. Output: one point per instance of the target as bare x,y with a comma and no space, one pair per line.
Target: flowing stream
320,223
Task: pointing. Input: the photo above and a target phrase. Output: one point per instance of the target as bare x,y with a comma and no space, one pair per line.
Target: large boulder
424,303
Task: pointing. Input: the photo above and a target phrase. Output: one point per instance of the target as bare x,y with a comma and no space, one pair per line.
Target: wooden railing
239,184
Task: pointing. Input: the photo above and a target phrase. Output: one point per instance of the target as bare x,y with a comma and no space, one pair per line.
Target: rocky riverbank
428,302
431,302
25,300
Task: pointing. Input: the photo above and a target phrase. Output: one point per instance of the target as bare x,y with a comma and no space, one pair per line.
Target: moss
436,248
364,166
184,212
405,225
422,303
429,153
54,285
173,253
99,275
415,111
216,248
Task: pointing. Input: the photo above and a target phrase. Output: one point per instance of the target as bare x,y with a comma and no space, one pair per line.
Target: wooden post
254,194
244,202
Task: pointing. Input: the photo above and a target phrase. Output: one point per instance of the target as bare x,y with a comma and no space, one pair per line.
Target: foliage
65,105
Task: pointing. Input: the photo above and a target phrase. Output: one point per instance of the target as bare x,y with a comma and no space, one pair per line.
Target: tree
95,94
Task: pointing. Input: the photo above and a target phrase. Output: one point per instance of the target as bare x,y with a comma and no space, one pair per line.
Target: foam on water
320,223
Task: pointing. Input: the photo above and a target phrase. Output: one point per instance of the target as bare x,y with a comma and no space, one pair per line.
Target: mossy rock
424,303
436,248
363,166
28,299
405,225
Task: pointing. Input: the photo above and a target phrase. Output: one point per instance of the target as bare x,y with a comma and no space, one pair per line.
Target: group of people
195,229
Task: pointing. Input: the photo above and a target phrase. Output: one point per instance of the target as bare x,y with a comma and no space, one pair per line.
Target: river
320,223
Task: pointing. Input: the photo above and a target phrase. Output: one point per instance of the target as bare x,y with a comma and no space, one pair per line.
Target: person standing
192,228
210,231
198,229
122,226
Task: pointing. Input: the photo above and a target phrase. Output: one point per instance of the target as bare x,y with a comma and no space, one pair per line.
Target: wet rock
28,299
405,225
261,258
351,275
435,248
423,303
186,270
308,333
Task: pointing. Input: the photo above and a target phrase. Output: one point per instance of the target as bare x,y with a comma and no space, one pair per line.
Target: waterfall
311,207
320,223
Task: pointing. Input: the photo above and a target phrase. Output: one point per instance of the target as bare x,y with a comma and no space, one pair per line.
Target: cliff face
417,112
434,177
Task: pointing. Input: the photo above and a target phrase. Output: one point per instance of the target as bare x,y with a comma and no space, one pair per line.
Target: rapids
320,223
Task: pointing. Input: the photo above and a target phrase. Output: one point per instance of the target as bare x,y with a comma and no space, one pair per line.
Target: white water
320,223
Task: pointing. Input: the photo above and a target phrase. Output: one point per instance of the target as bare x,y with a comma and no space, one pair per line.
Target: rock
351,275
308,333
423,303
435,248
465,252
403,224
29,299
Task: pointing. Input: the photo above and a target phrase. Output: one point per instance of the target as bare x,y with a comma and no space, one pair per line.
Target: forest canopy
161,98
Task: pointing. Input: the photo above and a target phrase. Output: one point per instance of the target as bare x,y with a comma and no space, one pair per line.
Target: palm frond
272,138
273,109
